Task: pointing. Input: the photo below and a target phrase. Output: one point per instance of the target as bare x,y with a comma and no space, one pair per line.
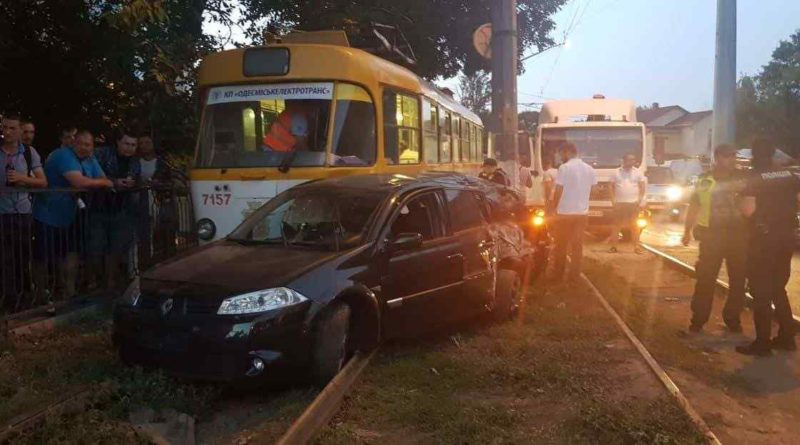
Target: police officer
716,222
770,201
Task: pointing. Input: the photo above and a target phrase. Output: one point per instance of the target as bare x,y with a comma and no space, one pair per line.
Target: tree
439,31
768,105
475,92
101,64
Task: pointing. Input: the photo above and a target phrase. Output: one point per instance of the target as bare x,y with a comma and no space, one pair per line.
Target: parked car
322,270
665,194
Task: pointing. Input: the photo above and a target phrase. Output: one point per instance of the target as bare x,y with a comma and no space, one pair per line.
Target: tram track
688,270
654,366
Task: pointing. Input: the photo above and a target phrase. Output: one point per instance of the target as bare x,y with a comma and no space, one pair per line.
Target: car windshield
320,219
598,147
659,175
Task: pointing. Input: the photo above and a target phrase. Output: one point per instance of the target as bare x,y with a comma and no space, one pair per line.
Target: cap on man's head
490,162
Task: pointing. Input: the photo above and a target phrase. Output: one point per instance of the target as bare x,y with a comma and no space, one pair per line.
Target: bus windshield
600,147
286,125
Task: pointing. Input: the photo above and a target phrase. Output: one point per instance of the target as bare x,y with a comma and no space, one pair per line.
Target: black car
322,270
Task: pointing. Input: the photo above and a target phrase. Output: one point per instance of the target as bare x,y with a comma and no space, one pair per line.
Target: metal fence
97,241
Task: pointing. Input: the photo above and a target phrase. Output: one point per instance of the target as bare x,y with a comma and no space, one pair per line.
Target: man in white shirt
571,200
627,197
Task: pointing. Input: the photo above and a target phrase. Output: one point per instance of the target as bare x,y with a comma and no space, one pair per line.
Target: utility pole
504,86
724,131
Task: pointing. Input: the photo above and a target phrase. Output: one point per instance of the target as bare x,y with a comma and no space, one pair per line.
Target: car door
468,223
417,281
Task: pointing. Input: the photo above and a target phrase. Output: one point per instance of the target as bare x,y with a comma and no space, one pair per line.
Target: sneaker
783,344
755,349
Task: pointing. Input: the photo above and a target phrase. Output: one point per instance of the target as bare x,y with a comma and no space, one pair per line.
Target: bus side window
401,142
430,129
444,137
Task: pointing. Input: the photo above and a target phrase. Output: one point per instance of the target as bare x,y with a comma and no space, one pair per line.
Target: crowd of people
79,205
746,219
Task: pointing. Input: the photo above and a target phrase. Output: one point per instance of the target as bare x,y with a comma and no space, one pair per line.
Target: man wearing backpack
21,168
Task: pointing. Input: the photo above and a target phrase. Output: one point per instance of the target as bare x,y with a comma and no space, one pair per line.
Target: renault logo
166,306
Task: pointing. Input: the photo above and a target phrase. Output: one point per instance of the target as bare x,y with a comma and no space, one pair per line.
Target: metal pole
724,131
504,86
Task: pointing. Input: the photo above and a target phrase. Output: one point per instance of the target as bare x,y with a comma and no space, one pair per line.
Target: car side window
419,215
465,209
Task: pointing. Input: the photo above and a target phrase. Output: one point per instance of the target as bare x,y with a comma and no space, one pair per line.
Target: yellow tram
311,107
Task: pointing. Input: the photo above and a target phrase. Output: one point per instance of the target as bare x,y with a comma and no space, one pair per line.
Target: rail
690,271
57,245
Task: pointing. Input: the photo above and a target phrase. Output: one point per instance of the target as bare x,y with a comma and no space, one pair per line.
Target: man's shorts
53,243
625,213
111,234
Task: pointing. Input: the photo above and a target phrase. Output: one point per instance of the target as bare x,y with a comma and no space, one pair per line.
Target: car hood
237,268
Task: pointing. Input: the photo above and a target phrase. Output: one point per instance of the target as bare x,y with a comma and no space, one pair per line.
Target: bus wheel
330,343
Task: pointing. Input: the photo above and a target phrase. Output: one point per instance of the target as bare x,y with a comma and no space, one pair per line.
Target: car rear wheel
507,294
331,343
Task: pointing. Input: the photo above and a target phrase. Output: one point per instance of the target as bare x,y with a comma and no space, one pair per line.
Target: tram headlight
674,193
206,229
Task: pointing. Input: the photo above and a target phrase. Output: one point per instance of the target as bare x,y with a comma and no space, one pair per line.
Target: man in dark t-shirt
490,171
770,201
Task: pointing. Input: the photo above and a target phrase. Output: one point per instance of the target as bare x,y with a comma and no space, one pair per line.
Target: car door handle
455,256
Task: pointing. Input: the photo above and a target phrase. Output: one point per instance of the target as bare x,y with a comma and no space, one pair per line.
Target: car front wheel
507,294
330,343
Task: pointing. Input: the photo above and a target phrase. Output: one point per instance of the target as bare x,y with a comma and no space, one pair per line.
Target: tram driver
290,131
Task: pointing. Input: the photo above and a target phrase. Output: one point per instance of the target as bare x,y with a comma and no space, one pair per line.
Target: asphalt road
666,236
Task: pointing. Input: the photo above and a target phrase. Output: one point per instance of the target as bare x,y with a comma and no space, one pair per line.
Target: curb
50,323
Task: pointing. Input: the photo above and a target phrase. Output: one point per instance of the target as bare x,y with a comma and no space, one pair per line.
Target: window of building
464,210
401,128
430,132
354,138
445,154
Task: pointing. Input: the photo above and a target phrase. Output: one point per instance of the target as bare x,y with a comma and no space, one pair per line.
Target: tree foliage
768,105
438,31
102,64
475,92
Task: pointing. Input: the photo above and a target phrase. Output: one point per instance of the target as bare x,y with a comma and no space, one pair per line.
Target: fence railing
85,241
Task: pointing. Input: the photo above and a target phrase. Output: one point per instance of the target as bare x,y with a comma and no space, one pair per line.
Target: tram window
479,139
473,135
467,141
354,127
456,144
430,129
445,155
401,128
264,133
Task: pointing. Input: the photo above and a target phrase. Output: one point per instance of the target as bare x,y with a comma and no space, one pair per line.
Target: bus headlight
206,229
674,193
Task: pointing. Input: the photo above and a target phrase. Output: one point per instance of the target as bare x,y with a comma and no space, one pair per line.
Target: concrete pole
504,86
724,131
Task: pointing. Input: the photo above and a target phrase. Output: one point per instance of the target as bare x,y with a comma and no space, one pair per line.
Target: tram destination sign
288,91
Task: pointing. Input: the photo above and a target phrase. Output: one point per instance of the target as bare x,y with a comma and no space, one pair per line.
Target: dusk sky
652,50
646,50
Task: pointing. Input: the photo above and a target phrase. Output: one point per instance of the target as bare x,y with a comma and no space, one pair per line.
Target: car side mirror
406,241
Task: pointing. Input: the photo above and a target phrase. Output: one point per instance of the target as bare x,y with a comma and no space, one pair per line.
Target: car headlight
206,229
674,193
131,295
538,218
260,301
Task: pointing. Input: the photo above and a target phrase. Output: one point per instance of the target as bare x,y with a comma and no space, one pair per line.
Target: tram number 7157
216,199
